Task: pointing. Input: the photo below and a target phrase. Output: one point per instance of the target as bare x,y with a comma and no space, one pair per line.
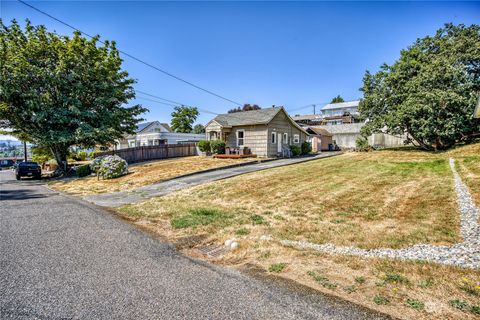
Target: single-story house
320,139
266,132
155,133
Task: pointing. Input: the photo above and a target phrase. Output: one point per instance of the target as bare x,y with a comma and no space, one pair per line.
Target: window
296,138
131,143
285,138
240,138
273,138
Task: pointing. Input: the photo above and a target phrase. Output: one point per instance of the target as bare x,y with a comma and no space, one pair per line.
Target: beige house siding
281,124
254,138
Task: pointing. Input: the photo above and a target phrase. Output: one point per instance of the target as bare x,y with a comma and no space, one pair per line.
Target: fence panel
146,153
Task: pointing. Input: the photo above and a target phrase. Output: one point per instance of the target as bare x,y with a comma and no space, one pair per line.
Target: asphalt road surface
62,258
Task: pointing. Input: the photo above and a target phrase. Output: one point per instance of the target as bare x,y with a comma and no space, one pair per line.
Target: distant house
266,132
331,114
155,133
321,139
340,113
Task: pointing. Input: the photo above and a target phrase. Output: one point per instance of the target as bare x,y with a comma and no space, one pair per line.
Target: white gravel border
465,254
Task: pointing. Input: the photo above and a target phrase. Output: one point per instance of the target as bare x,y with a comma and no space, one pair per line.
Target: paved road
117,199
61,258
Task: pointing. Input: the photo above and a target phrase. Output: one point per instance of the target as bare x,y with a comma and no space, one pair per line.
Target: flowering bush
112,167
96,163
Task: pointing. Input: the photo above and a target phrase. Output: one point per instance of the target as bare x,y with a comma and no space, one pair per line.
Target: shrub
296,150
81,156
306,147
204,145
83,171
217,146
96,163
113,167
362,144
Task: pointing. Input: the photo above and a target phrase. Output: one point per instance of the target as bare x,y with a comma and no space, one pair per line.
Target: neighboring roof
342,128
341,105
143,125
252,117
167,126
320,131
307,117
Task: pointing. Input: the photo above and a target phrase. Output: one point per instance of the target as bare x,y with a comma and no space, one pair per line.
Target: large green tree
430,92
183,118
58,91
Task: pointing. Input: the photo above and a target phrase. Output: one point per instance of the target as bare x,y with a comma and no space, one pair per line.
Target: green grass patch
381,300
415,304
458,304
323,281
199,217
277,267
242,232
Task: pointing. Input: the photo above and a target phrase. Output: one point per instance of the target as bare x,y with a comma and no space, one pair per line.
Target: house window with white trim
240,138
131,143
273,137
285,138
296,138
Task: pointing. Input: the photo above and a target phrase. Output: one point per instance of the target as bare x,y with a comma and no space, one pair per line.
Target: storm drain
212,250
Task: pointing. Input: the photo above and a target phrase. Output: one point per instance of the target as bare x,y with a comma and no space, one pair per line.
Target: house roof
320,131
143,125
307,117
252,117
167,126
341,105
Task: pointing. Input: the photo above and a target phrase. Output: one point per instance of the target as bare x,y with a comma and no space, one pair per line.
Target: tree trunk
60,153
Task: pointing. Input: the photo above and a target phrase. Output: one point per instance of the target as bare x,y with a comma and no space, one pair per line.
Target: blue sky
283,53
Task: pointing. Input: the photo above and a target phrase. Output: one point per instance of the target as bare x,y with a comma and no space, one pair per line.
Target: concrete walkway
117,199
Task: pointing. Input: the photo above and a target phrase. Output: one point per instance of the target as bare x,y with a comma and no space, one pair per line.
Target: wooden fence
139,154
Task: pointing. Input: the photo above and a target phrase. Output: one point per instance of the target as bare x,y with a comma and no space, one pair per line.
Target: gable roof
142,126
319,131
261,116
167,126
341,105
252,117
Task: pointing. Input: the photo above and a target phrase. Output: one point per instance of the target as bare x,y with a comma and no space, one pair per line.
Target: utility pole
314,108
25,150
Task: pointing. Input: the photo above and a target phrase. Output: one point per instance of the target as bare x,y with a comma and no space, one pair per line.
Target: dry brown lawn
142,174
369,200
379,199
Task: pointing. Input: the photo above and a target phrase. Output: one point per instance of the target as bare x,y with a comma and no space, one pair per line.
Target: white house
155,133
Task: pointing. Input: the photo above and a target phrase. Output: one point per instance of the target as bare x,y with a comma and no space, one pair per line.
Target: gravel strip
465,254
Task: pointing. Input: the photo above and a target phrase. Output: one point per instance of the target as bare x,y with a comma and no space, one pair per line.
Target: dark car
28,169
6,163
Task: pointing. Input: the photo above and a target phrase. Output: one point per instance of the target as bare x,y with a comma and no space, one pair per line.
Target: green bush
306,147
362,144
217,146
81,156
296,150
83,171
113,167
204,145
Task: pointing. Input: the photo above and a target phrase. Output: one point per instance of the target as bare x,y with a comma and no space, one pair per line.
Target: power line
132,57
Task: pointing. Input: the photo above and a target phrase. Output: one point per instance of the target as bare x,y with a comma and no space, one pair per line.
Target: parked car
28,169
6,163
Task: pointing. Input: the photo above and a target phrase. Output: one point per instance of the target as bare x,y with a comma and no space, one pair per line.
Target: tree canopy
183,118
199,128
337,99
246,107
58,91
430,92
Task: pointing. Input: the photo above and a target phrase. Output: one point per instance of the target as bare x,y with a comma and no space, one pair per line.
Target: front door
279,143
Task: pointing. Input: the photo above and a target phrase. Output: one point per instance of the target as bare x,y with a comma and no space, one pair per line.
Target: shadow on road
20,194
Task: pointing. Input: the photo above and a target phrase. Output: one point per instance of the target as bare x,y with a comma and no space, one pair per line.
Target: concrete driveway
61,258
